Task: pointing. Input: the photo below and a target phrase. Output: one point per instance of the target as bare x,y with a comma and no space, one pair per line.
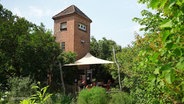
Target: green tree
28,50
128,59
103,49
63,58
11,28
161,56
25,48
39,52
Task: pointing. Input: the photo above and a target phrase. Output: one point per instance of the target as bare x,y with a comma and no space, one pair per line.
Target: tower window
82,27
63,46
63,26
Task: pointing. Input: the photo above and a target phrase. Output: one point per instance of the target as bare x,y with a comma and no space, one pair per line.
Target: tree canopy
152,67
157,69
27,49
103,48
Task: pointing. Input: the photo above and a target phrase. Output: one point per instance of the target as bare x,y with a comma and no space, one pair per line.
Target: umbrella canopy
89,59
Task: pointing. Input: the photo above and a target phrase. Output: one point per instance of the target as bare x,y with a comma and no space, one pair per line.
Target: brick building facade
72,30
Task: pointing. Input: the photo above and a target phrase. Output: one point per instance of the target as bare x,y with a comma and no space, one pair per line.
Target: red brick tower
72,30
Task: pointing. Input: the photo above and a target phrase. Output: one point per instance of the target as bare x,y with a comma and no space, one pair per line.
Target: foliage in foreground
19,88
154,64
120,98
155,73
25,88
40,96
95,95
98,95
60,98
162,58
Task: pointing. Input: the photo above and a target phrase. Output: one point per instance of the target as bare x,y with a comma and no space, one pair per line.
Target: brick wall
73,36
81,47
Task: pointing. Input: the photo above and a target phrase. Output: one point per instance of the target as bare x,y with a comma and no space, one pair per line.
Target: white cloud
17,12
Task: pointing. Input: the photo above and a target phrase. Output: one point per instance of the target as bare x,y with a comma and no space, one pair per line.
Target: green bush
95,95
19,88
4,97
39,97
60,98
120,98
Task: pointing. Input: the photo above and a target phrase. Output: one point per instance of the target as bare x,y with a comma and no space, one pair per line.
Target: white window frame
82,27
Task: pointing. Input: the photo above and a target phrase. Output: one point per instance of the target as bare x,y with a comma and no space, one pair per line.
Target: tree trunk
119,78
62,80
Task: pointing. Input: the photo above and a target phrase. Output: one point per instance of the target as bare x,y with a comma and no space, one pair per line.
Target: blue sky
112,19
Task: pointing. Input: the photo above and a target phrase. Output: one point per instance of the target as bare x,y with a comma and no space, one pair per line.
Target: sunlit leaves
166,24
163,57
155,3
180,64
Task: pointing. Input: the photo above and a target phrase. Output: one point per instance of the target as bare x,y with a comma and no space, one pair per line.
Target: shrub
40,97
3,97
95,95
59,98
19,88
120,98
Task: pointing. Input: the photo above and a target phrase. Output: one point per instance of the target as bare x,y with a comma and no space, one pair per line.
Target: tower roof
71,10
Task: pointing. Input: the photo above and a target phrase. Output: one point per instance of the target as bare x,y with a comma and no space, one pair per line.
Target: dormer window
82,27
63,26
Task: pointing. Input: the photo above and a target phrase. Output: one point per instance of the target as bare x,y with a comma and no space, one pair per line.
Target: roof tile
71,10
